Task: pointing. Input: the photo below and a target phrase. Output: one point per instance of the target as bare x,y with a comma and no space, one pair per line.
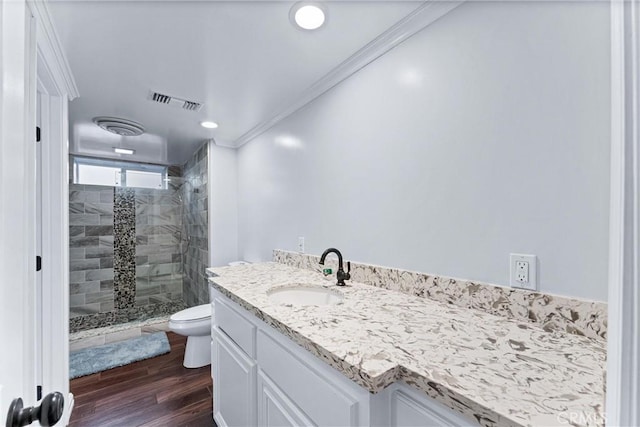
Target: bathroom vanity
372,357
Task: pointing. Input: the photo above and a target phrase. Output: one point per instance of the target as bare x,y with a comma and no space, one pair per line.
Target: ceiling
244,61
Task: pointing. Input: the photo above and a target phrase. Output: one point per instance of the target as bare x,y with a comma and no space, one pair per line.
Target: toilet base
198,352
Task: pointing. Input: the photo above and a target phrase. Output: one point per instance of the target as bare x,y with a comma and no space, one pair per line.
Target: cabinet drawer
239,329
305,386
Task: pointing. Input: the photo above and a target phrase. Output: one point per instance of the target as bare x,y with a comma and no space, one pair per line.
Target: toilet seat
192,314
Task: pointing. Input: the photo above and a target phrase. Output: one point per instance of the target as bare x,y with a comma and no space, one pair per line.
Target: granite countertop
496,370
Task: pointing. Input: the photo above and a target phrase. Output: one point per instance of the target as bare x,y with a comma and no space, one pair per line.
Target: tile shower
138,253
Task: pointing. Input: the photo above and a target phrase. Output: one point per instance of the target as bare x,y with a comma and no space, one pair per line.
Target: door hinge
38,263
37,133
38,393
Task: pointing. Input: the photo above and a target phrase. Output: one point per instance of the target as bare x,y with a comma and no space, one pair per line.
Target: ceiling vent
122,127
174,101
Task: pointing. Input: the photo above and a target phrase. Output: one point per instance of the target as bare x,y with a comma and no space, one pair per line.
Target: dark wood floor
152,392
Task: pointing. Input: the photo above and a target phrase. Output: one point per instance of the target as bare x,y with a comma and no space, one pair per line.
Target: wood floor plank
153,392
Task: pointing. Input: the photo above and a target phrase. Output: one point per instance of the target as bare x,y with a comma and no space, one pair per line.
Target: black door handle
48,413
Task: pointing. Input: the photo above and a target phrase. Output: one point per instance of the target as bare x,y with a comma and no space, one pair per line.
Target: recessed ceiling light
308,16
209,125
124,150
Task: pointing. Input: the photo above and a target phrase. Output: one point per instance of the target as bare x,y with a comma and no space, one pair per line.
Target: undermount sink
304,295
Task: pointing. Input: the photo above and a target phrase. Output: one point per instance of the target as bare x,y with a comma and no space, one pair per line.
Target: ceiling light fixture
308,16
122,127
209,125
123,150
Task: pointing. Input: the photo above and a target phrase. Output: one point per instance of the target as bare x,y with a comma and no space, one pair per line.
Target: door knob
48,413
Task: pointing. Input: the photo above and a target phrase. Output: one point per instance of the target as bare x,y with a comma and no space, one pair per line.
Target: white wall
487,133
223,206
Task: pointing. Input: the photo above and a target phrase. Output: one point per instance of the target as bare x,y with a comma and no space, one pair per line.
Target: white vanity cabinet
261,377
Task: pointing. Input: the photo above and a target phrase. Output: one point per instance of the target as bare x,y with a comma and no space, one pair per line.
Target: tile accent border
108,334
551,312
124,248
116,317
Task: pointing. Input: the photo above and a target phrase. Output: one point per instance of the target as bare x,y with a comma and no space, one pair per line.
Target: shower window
115,173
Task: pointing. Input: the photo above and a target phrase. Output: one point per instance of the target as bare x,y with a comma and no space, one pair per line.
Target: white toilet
195,324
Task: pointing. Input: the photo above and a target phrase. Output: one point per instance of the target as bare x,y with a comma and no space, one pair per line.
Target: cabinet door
234,384
275,409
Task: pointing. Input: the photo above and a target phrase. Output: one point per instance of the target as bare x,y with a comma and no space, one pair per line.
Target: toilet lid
193,313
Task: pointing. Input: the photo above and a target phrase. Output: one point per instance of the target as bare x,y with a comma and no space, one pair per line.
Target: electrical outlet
301,244
523,271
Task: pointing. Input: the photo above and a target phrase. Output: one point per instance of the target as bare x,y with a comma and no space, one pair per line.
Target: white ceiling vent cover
122,127
174,101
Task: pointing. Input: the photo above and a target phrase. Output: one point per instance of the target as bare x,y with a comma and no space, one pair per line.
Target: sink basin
304,295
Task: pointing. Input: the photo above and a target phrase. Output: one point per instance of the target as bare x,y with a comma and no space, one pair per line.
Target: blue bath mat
98,359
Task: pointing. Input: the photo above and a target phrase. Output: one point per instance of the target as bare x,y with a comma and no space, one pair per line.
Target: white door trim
57,87
58,78
17,204
55,249
623,353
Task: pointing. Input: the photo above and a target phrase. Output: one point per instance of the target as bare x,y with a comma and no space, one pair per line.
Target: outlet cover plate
532,277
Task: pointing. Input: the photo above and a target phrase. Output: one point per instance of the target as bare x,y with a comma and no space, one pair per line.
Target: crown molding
50,51
426,14
222,143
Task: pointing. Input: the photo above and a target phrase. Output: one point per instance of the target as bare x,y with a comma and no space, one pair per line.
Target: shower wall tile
98,252
76,276
81,241
106,219
106,285
84,219
102,274
99,208
89,262
98,230
196,238
76,208
85,264
106,263
76,231
84,287
99,297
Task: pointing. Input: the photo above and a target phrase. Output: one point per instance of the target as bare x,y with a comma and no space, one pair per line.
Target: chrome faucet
341,275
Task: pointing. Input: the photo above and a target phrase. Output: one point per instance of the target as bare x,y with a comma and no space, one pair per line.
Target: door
17,206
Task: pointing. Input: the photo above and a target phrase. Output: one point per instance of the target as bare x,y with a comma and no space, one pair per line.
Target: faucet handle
348,266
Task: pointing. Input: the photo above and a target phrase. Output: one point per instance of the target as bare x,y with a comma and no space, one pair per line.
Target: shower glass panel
159,221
